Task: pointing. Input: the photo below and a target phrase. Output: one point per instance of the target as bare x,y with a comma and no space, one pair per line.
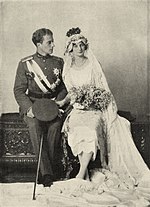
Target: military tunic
24,83
26,91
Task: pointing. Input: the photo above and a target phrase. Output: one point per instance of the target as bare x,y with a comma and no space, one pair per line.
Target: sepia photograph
75,103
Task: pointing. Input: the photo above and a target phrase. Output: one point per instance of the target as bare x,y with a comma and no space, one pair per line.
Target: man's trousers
51,132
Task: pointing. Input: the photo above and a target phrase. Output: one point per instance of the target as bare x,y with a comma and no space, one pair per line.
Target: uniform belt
40,95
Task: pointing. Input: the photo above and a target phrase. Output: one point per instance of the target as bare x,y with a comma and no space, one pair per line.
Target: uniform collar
41,56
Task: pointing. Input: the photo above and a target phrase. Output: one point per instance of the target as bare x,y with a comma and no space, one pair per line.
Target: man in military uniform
38,77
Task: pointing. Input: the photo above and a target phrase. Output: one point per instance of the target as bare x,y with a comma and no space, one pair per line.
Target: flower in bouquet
101,99
90,97
76,94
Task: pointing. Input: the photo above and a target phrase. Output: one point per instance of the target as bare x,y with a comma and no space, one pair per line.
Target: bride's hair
74,35
73,31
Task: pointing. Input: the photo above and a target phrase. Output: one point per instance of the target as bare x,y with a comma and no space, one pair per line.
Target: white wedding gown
127,183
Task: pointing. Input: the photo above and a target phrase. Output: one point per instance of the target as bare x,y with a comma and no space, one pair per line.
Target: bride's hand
60,103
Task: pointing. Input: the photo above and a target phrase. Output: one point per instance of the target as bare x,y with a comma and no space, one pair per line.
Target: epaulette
27,58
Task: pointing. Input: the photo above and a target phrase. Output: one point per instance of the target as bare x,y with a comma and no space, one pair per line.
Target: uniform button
45,68
44,61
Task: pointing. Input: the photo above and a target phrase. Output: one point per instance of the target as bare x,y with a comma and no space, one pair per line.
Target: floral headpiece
74,37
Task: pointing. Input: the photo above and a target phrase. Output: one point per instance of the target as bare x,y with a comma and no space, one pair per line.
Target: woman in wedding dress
124,177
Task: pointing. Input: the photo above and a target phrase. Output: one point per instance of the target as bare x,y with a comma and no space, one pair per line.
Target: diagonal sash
39,76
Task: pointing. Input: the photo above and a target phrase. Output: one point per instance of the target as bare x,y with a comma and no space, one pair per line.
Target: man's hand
30,113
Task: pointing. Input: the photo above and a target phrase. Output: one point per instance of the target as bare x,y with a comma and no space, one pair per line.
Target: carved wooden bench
16,152
18,162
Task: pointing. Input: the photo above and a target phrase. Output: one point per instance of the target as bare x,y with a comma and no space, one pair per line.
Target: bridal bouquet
90,98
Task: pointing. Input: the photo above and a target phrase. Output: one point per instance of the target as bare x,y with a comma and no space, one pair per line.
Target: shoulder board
27,58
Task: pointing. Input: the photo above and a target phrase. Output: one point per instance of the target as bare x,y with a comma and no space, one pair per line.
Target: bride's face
79,49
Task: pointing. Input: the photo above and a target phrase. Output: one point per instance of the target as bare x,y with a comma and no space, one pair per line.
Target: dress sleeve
67,82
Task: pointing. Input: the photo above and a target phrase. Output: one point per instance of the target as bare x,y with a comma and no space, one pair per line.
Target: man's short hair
37,36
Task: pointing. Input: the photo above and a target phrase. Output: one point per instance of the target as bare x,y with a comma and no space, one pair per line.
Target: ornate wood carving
15,139
16,148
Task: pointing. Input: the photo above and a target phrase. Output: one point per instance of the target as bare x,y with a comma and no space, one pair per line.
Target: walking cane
38,167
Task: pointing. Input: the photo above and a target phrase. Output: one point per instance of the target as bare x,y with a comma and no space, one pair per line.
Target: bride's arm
69,99
66,100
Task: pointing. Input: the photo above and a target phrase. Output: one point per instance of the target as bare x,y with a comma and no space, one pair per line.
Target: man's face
46,47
